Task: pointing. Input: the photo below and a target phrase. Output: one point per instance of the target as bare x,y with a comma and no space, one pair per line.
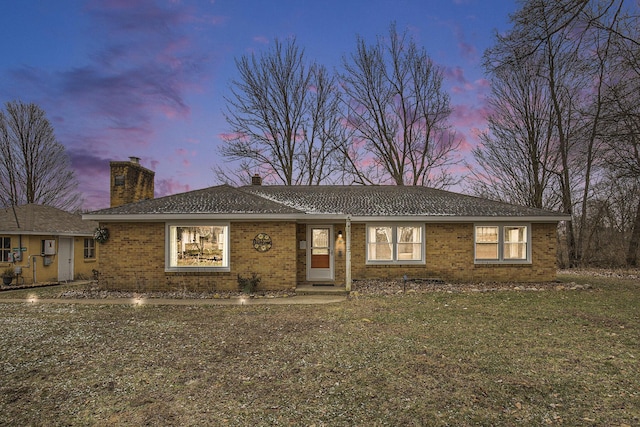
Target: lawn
553,357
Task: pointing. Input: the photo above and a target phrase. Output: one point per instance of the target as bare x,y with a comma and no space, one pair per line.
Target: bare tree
398,112
622,117
34,166
284,118
517,155
570,42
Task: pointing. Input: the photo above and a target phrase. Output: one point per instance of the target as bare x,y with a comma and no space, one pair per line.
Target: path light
33,298
137,301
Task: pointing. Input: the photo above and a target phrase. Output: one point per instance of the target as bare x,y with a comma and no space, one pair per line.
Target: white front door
320,252
65,259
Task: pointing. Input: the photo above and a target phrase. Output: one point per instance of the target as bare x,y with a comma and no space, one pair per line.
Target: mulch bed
360,287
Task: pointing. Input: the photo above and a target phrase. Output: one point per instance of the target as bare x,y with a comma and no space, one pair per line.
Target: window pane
89,248
198,246
515,242
487,242
320,241
5,248
486,251
487,234
410,251
515,251
409,235
409,243
515,234
380,243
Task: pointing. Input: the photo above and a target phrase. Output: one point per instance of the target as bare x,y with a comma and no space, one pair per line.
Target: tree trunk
632,253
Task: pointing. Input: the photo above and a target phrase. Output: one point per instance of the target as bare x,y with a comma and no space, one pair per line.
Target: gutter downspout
347,231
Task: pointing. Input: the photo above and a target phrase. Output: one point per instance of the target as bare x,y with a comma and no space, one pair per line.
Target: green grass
463,358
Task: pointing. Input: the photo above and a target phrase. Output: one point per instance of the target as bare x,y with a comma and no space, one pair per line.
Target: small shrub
8,272
249,285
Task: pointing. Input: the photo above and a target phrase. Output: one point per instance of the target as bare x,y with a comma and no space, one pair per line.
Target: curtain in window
380,243
515,242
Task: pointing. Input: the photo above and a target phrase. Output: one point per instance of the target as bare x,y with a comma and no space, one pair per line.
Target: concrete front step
320,290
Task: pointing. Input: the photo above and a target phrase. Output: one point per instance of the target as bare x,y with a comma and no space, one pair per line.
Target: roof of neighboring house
47,220
300,202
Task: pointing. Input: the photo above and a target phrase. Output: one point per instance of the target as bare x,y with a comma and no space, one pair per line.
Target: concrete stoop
321,290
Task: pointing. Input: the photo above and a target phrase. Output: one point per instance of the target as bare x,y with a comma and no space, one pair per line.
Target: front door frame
320,274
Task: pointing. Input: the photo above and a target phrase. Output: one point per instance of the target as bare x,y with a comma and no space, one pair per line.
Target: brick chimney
256,180
130,182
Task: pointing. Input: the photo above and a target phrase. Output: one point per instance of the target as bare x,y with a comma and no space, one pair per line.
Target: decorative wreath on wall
262,242
101,235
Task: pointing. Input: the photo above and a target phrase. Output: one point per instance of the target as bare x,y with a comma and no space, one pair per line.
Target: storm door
319,252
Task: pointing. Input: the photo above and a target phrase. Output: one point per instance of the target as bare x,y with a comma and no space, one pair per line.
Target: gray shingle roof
357,201
222,199
389,201
39,219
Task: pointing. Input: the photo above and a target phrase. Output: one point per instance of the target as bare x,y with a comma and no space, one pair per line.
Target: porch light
340,234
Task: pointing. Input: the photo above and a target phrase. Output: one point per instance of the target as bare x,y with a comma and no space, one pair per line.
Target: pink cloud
467,50
483,83
261,39
467,116
231,136
456,74
169,186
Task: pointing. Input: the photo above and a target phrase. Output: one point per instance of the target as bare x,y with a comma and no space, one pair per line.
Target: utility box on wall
49,247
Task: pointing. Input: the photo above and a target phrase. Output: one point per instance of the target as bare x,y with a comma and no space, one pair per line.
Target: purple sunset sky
147,78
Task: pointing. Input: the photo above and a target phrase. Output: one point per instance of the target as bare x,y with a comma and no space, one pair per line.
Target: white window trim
394,226
167,246
501,260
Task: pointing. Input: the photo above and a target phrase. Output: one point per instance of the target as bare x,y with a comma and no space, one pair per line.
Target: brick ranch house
314,235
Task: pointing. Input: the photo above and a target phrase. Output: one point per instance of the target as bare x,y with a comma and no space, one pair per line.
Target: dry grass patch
440,358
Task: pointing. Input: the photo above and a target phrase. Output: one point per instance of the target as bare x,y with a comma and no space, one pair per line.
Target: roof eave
163,217
317,217
48,233
465,218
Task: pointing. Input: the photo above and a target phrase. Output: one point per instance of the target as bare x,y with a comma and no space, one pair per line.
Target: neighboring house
46,244
330,235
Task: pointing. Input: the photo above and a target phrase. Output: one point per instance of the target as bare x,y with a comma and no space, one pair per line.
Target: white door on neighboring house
320,252
65,259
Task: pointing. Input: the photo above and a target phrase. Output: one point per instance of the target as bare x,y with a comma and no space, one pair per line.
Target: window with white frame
197,246
5,248
89,248
395,243
502,243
